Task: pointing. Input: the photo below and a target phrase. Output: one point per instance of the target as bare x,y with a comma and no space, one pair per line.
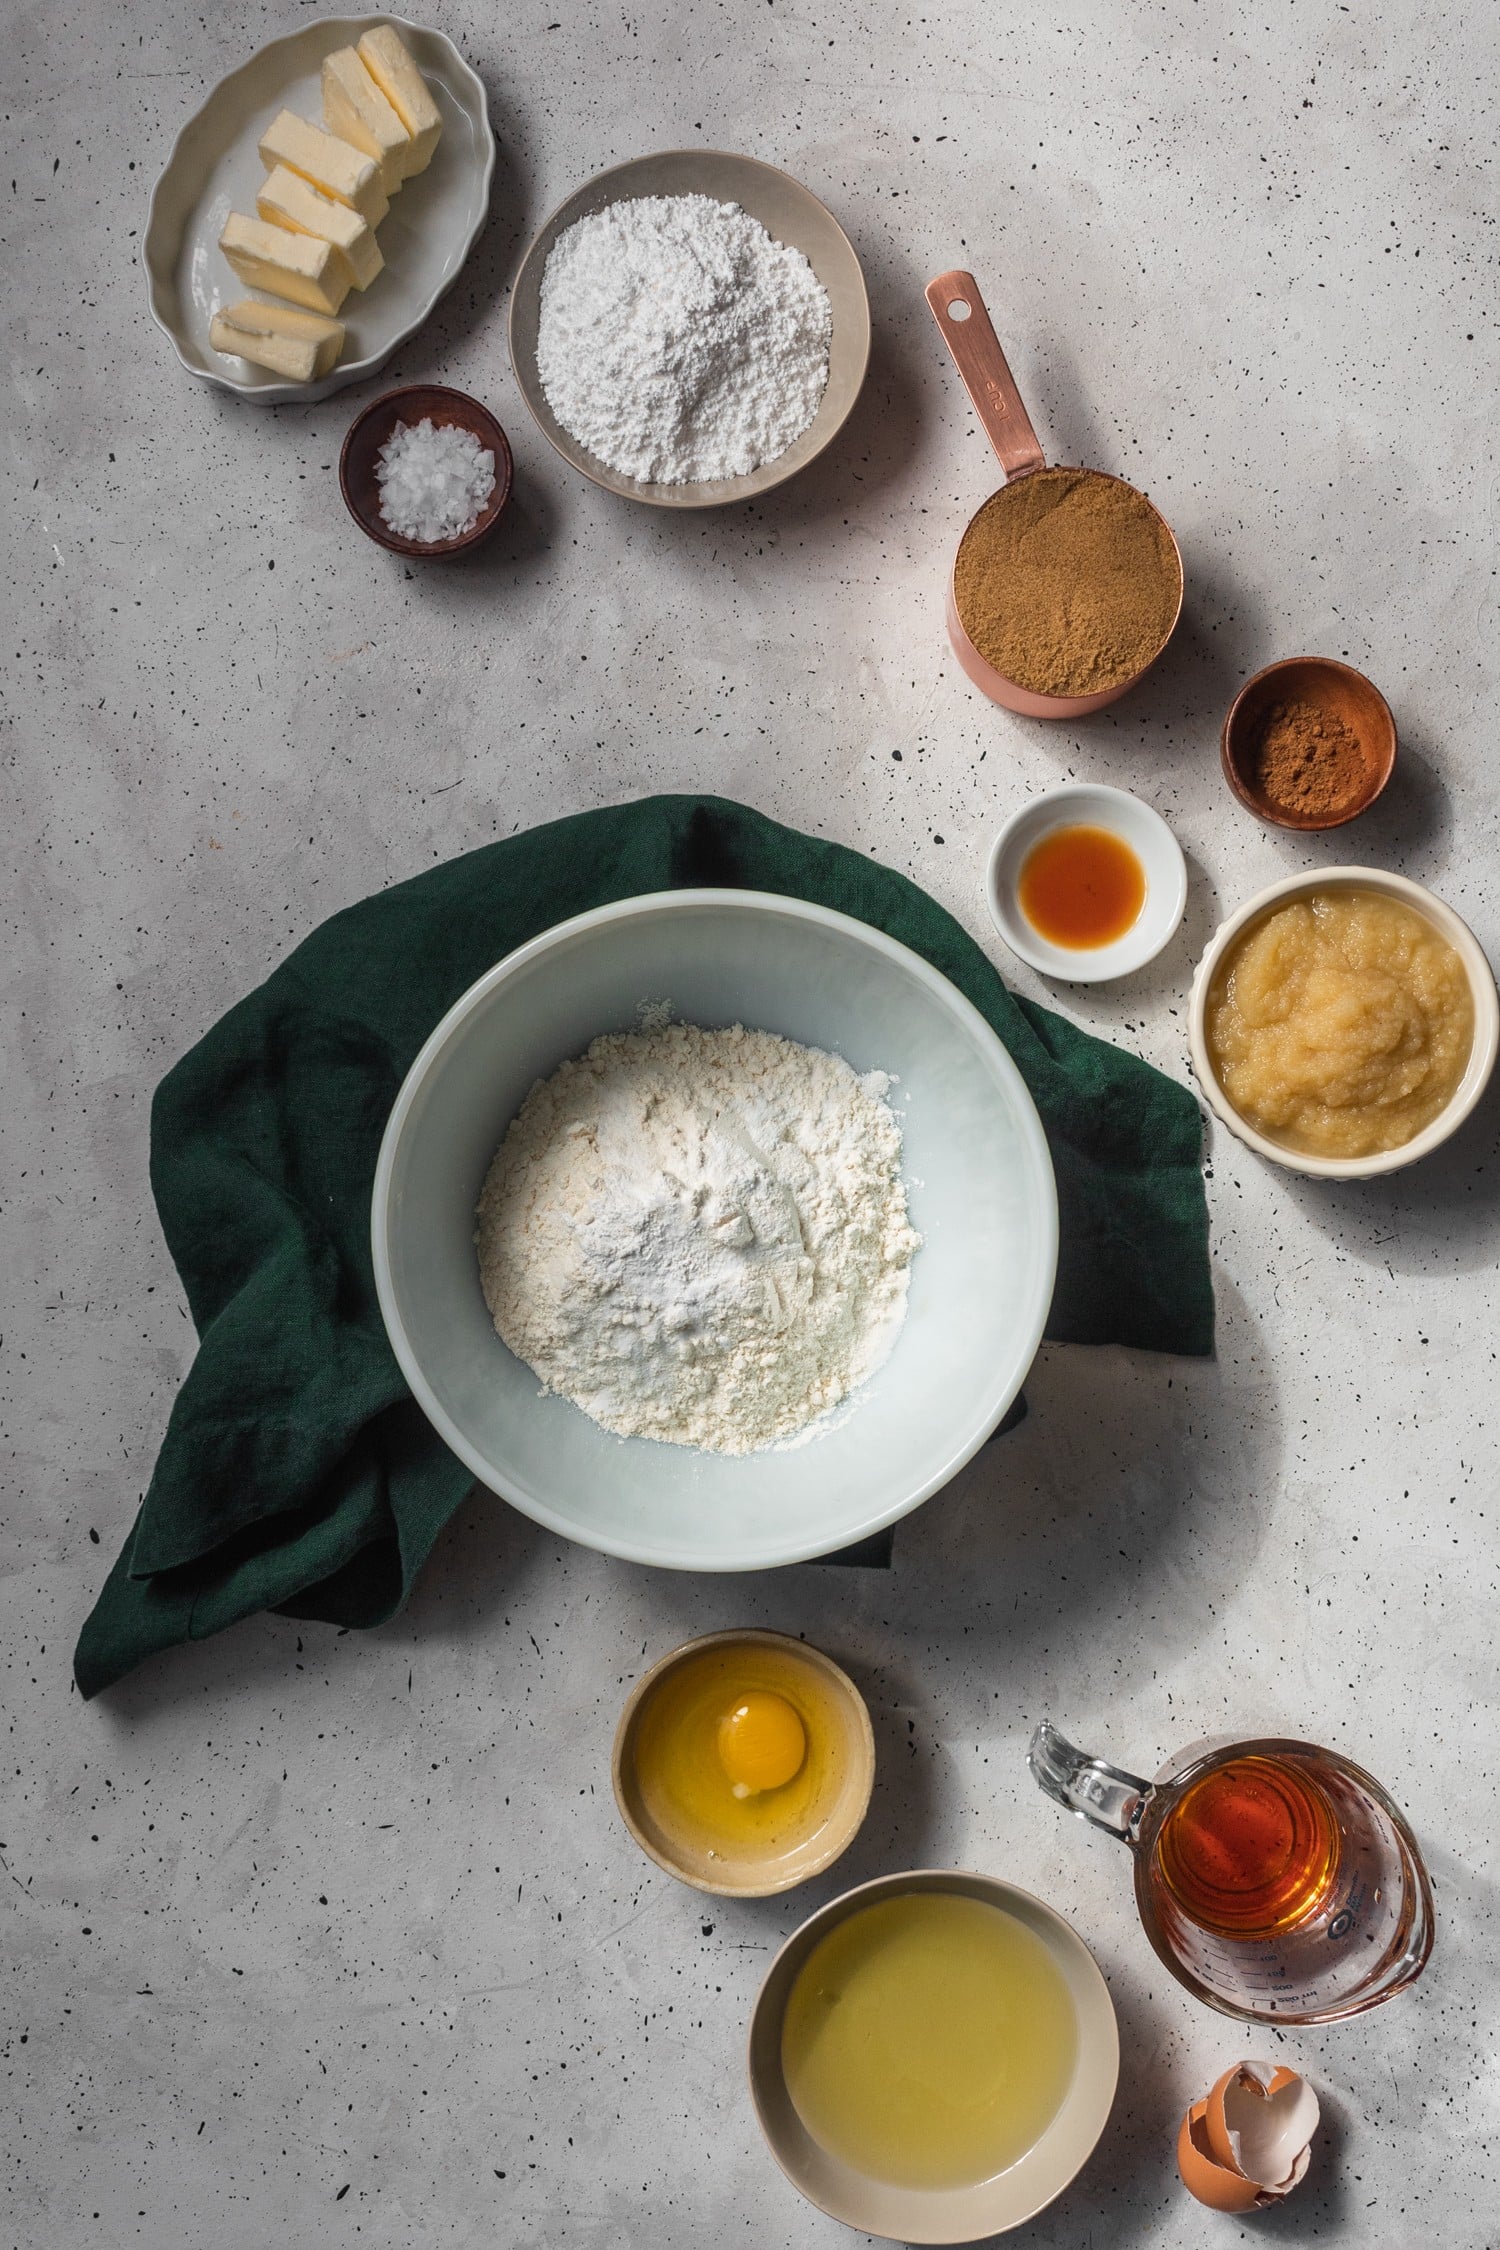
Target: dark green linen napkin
297,1473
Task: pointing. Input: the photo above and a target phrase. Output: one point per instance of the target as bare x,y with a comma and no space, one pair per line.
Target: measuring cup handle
1087,1786
988,381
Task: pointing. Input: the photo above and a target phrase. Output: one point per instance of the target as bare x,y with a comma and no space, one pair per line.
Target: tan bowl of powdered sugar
691,328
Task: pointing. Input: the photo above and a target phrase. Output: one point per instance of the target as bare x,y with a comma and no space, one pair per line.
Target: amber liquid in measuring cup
1251,1849
1276,1879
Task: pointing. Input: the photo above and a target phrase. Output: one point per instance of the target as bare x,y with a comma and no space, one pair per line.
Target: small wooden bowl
374,424
727,1877
1336,689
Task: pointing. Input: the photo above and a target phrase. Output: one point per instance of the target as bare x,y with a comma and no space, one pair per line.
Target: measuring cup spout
1087,1786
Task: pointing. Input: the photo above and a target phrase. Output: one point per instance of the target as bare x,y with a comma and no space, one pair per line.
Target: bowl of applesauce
1344,1022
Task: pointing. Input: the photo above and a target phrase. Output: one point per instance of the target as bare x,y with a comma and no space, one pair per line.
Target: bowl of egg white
933,2056
714,1229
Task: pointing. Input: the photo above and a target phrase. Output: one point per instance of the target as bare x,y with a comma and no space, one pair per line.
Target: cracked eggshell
1204,2177
1248,2142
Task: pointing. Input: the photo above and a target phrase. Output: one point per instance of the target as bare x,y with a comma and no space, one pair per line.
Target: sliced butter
287,200
300,345
302,267
387,58
332,165
355,109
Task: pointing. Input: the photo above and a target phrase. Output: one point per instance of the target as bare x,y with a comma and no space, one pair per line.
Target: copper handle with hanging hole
989,382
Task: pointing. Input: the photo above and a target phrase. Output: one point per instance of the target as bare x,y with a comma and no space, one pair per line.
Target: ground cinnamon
1308,761
1068,582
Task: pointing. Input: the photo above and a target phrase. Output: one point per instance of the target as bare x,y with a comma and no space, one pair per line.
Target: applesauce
1340,1025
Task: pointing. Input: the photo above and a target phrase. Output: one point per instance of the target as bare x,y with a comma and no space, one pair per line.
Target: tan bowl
1334,688
750,1877
1481,1055
789,212
942,2214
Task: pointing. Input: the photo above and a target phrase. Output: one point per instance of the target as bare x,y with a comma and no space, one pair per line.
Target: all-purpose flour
699,1236
678,341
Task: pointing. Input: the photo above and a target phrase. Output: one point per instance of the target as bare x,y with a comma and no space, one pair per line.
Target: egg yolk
762,1742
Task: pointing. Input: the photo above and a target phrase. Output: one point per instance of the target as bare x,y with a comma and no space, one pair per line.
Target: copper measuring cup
958,309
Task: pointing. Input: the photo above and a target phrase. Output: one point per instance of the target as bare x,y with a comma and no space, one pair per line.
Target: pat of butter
302,267
355,109
287,200
332,165
387,58
300,345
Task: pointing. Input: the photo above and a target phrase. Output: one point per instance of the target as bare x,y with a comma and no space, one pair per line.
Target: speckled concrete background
308,1931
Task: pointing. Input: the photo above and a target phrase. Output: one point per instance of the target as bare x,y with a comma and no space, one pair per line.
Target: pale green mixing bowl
981,1194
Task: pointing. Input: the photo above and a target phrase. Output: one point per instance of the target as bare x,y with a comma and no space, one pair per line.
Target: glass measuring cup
959,311
1276,1880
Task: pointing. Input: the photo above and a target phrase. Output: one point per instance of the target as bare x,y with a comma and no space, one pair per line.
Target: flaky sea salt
434,481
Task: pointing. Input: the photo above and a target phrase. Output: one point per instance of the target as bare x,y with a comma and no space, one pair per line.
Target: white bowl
215,168
981,1194
1481,1055
1089,804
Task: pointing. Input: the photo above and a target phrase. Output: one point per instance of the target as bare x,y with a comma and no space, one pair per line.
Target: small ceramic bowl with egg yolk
743,1763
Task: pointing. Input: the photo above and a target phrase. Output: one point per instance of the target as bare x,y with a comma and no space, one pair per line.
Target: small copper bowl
1340,692
368,432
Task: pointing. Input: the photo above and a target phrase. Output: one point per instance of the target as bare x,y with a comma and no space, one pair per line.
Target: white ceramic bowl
981,1193
214,168
951,2215
1481,1055
1089,804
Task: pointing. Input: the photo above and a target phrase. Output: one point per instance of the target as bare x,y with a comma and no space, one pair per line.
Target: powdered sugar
678,341
700,1236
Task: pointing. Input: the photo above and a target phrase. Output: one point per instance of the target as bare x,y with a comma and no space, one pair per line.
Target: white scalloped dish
215,168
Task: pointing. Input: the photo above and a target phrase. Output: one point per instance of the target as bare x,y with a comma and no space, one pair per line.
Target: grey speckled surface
340,1933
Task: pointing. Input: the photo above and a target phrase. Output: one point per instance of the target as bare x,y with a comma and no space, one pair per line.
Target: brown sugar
1068,582
1307,761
